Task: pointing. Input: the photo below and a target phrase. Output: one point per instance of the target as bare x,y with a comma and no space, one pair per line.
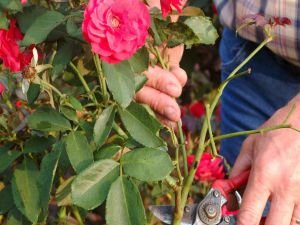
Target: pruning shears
212,210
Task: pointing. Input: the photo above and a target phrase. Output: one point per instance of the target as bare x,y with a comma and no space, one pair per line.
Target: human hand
274,159
163,87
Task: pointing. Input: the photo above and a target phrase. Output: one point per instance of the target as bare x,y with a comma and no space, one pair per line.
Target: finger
161,103
254,200
163,81
281,211
174,55
180,74
244,160
166,122
296,215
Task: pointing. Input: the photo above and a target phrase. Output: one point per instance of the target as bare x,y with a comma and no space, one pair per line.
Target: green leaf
63,193
4,23
147,164
62,57
103,125
7,201
41,27
180,33
192,11
106,152
124,204
46,177
28,16
140,81
155,32
139,62
48,119
38,144
7,156
25,189
69,113
13,5
33,92
79,151
141,125
74,26
120,81
203,28
90,188
75,103
16,218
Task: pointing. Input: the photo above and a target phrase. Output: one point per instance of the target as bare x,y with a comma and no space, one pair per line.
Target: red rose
210,168
10,53
116,29
197,109
18,103
166,6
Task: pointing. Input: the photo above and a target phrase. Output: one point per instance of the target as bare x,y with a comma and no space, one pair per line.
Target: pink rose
116,29
209,169
23,2
2,88
10,53
166,6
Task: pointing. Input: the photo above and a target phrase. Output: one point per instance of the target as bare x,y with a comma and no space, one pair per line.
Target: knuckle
247,216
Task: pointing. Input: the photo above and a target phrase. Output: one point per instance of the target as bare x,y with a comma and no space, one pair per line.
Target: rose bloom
166,6
210,168
23,2
10,53
2,88
116,29
197,109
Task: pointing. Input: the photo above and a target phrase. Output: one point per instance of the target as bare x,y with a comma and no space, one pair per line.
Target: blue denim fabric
248,101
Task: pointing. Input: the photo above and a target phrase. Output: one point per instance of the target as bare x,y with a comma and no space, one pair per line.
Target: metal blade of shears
165,213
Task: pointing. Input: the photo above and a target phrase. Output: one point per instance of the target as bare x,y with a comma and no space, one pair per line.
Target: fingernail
169,112
173,88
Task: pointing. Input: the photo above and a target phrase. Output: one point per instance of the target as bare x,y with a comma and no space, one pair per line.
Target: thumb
174,55
245,158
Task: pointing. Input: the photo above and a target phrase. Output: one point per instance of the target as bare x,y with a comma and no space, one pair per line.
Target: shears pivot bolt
216,193
187,209
211,211
227,219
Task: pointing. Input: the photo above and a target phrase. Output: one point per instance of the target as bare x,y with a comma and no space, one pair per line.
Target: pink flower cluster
116,29
210,169
10,53
166,6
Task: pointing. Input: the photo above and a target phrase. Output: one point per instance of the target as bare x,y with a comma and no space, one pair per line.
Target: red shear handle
227,186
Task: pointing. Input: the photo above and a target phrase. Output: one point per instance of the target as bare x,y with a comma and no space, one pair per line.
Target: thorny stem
48,85
183,149
248,132
85,85
101,77
189,180
211,136
119,130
